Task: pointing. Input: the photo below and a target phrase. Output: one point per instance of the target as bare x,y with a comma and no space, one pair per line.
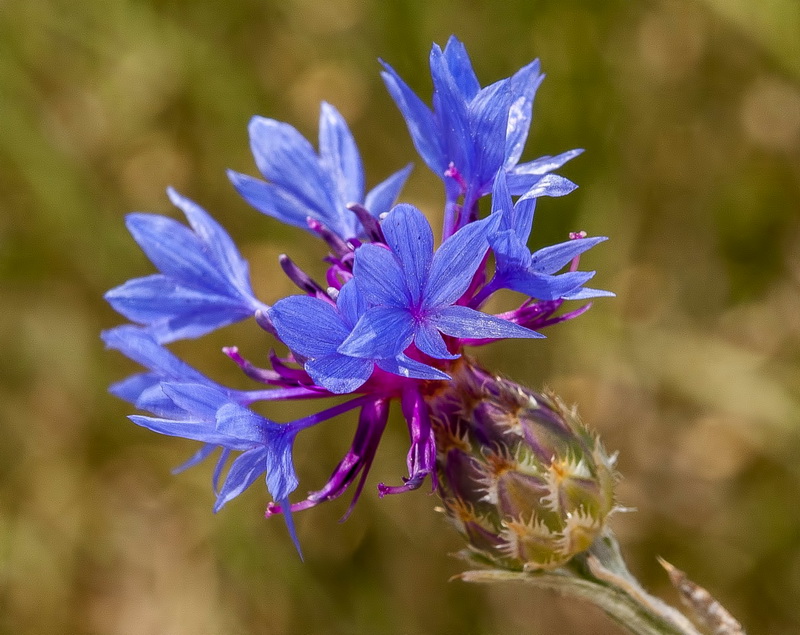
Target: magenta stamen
324,415
453,173
280,394
573,266
337,245
372,227
303,281
262,375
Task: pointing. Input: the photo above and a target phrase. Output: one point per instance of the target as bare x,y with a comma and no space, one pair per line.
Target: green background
690,115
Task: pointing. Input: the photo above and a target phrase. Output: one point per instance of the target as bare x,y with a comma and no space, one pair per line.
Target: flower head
393,316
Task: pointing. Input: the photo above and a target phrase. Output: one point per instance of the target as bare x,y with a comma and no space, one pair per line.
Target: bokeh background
690,114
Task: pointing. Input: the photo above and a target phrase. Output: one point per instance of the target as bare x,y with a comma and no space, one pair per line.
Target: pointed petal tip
179,200
233,175
289,519
256,121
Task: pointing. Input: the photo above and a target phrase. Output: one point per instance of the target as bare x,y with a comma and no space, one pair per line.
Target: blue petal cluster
533,273
412,292
394,312
303,184
472,132
204,282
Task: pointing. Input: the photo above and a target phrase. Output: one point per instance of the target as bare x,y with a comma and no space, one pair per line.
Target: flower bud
525,482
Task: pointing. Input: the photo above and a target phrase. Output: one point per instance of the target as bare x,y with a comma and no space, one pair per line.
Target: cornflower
391,319
472,132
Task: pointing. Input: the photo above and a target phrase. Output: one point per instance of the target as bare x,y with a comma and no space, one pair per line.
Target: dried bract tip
708,611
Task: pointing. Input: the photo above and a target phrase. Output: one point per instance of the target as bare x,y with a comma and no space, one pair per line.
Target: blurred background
690,115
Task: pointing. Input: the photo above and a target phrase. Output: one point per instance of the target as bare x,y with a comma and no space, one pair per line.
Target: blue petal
524,84
429,341
242,423
461,321
380,277
194,430
204,281
199,400
518,217
131,388
195,324
551,259
309,326
281,477
288,518
198,457
339,154
584,293
215,476
155,401
452,117
382,332
455,262
501,202
273,201
544,286
286,158
351,304
549,185
510,252
380,199
523,218
339,373
522,177
419,119
138,345
404,366
409,235
223,250
460,66
243,472
158,299
489,119
546,164
176,251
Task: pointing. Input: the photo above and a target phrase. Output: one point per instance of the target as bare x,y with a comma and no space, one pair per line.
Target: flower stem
600,576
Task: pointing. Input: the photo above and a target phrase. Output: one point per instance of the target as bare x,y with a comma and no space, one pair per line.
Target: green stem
601,577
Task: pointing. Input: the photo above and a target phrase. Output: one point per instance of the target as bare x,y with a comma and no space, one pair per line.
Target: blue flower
518,269
314,330
205,414
412,292
391,314
473,132
204,282
185,403
306,185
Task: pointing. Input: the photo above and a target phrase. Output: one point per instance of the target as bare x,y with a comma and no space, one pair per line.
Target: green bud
526,483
